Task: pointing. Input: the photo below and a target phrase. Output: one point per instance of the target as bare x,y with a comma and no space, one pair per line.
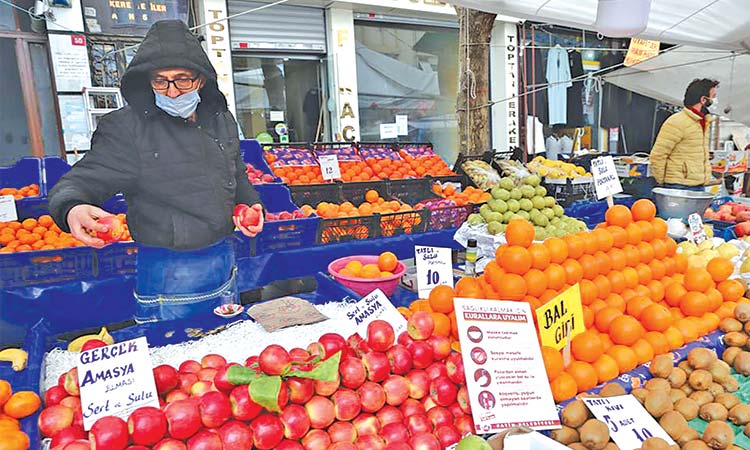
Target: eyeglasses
183,84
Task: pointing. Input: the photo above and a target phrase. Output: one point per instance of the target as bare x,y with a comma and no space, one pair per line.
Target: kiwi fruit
746,328
718,435
565,435
742,312
611,446
661,366
577,446
640,394
655,443
701,358
700,379
720,370
742,363
716,389
594,434
695,445
730,324
676,394
575,414
740,414
687,389
735,339
612,390
687,407
729,354
684,365
713,411
731,384
673,423
728,400
688,434
658,384
677,377
747,430
658,403
701,397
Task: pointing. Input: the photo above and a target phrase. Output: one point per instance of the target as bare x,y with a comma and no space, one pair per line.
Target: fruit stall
363,356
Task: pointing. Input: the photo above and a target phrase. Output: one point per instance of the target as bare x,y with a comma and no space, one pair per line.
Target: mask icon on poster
283,131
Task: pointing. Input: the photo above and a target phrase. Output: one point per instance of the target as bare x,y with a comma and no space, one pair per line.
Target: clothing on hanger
558,77
534,71
575,92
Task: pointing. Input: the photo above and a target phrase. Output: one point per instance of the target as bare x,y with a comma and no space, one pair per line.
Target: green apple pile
527,200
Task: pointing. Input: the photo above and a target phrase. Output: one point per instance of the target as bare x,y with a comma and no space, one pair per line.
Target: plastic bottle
471,258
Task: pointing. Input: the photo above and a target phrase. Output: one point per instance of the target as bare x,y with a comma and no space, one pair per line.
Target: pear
473,442
687,248
728,251
706,245
745,267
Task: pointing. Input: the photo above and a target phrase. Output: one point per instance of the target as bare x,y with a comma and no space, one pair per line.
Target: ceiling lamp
622,18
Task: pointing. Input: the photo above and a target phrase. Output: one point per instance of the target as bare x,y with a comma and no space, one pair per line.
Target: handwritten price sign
374,306
434,268
329,167
628,421
606,180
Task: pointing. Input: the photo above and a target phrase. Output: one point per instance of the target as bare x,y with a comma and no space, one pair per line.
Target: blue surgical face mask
182,106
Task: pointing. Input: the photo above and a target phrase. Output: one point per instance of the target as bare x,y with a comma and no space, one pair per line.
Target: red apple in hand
250,217
114,229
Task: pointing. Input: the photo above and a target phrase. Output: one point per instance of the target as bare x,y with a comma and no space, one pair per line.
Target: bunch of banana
76,344
16,356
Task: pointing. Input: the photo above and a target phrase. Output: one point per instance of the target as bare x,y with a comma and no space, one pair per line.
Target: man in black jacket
174,153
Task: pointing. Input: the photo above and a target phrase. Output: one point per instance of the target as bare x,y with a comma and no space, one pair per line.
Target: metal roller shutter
278,28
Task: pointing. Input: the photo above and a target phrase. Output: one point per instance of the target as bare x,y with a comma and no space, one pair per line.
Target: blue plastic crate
23,173
116,259
54,169
283,234
252,153
46,266
722,229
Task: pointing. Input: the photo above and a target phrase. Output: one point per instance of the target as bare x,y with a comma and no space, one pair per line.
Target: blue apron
176,284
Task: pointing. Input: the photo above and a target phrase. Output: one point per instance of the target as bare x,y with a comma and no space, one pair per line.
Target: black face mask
704,108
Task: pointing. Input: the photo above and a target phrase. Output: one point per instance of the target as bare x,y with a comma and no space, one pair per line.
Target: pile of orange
352,171
387,263
41,234
373,204
31,190
470,194
427,165
440,306
14,406
298,174
393,169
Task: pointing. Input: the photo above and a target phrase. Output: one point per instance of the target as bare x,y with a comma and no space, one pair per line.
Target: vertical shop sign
217,43
511,67
343,62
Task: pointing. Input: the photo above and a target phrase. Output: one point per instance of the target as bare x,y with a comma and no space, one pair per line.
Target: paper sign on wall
697,233
402,124
8,211
329,167
277,116
561,318
606,180
628,421
374,306
116,380
505,373
434,268
388,131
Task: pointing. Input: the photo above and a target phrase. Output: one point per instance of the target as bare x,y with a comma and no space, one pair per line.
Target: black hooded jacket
181,179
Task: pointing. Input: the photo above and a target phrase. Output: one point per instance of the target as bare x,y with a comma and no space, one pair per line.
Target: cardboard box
729,161
633,170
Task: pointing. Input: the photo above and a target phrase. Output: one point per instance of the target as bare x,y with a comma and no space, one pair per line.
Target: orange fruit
711,321
558,249
563,387
694,304
370,271
45,221
573,271
634,234
468,287
660,228
584,375
588,317
625,330
556,276
616,301
519,232
647,231
720,269
643,209
625,357
586,347
536,282
632,255
618,215
628,294
726,310
576,246
406,312
5,392
658,342
681,263
441,299
420,305
698,280
512,287
516,259
731,290
372,196
646,252
658,269
14,440
539,256
603,287
688,329
354,267
674,338
22,404
616,281
631,277
602,262
597,305
660,249
442,324
657,290
674,294
715,299
588,291
606,368
606,341
591,246
604,239
619,236
617,259
604,318
643,351
656,318
588,264
387,262
637,305
29,224
553,362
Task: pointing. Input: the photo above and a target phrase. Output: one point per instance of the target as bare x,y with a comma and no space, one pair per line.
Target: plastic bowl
364,286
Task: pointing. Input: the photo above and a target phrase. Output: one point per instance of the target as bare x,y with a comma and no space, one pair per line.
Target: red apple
424,441
67,435
380,335
399,446
377,366
252,360
389,414
404,339
440,417
205,440
170,444
447,435
397,389
353,372
215,409
327,388
109,433
166,378
419,383
190,366
201,387
372,396
243,406
78,444
300,389
464,425
137,447
411,407
421,354
176,395
268,431
147,425
455,366
342,446
221,380
286,444
299,355
187,380
183,418
442,391
274,360
455,409
342,432
296,422
346,404
55,418
370,442
366,424
54,395
394,432
236,435
332,344
213,361
441,347
420,326
428,403
400,359
71,402
462,398
114,231
418,423
207,374
357,345
92,344
436,369
321,412
316,349
316,440
71,382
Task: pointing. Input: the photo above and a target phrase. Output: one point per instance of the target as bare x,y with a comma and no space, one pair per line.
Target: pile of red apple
257,176
732,212
408,394
285,215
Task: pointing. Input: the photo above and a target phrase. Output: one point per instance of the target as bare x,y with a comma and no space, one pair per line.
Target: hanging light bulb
622,18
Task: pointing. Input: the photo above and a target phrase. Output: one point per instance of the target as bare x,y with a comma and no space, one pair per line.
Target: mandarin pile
469,194
424,160
387,263
31,190
40,234
15,406
373,204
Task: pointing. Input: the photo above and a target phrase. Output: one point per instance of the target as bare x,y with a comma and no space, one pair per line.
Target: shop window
14,128
109,59
411,70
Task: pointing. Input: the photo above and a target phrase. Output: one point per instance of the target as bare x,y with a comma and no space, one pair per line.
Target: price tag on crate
329,167
434,267
8,211
697,231
606,180
628,421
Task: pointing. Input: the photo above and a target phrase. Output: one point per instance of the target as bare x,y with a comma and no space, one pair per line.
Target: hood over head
169,44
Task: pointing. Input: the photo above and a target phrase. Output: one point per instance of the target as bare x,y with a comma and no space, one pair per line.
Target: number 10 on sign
434,268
